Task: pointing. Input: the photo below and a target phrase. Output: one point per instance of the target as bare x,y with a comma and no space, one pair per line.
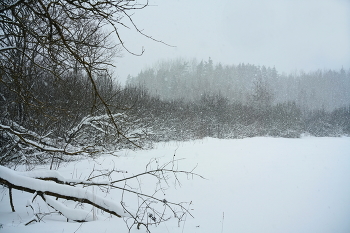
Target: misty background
240,68
288,35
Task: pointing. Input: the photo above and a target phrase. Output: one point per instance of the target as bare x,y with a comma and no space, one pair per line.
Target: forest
203,99
189,80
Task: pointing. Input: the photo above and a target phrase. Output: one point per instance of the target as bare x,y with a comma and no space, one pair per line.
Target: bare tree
54,56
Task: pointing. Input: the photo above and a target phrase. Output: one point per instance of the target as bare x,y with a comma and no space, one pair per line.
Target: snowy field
253,185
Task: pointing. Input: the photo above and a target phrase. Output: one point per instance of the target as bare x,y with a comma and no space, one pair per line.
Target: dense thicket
216,116
55,79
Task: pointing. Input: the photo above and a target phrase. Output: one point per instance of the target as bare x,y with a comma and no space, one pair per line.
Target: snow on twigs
76,214
21,181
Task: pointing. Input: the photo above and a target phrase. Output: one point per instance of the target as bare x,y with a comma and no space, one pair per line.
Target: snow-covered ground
262,185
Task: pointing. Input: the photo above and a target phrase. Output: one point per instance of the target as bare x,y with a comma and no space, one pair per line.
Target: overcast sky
288,34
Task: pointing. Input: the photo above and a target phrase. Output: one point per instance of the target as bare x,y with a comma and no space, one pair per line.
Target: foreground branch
15,180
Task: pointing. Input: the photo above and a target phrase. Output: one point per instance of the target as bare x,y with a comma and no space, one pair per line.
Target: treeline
215,116
71,117
188,80
195,100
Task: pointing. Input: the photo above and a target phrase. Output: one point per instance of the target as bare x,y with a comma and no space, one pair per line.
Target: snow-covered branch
42,143
21,181
103,127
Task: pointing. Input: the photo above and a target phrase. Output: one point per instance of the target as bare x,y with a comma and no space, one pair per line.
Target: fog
290,35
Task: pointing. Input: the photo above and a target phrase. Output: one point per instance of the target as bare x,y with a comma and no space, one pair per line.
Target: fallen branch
15,180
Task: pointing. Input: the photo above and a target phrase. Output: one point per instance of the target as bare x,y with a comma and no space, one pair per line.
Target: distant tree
261,97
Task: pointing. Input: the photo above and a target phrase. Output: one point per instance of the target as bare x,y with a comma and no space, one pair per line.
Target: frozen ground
253,185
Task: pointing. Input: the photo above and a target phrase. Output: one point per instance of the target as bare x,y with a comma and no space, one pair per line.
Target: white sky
288,34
